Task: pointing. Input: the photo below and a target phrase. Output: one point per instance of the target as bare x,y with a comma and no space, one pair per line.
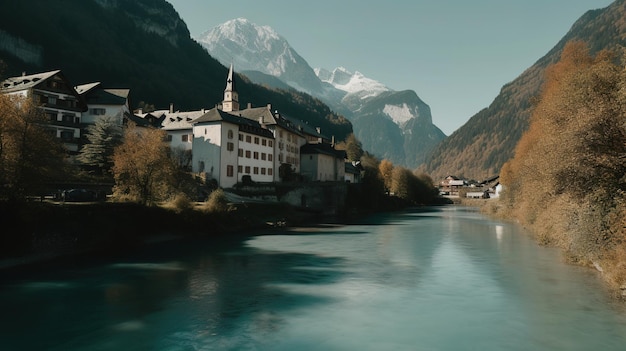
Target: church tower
231,98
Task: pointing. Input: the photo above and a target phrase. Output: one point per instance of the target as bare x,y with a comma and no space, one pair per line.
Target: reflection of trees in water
246,285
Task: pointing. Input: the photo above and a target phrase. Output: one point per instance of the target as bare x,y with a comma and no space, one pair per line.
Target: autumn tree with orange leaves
567,180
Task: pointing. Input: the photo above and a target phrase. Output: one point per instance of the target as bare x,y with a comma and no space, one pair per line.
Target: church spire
231,98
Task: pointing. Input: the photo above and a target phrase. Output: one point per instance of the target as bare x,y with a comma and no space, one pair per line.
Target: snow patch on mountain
349,82
399,114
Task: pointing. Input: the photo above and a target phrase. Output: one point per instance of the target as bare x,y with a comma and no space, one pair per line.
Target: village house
70,109
57,98
224,144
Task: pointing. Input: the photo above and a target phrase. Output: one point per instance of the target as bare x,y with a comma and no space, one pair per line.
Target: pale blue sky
455,54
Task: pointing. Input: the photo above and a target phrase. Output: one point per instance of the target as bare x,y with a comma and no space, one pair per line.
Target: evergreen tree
103,137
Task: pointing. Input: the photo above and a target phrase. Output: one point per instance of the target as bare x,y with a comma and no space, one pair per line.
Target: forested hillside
567,180
480,147
142,45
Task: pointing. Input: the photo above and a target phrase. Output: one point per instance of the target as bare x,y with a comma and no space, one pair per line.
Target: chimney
332,143
269,107
171,107
249,105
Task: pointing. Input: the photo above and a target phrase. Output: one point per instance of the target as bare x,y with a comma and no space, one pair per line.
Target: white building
104,102
321,162
227,148
70,109
57,98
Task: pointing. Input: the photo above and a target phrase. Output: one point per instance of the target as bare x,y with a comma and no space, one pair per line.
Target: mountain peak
251,47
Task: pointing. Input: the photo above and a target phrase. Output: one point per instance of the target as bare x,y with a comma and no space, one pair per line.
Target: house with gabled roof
321,162
228,148
61,103
102,102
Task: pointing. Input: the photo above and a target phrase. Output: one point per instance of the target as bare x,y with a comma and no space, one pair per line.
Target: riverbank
610,263
40,232
37,232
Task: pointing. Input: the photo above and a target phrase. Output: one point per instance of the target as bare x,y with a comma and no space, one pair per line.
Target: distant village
227,145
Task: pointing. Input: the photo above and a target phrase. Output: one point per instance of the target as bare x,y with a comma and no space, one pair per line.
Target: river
443,278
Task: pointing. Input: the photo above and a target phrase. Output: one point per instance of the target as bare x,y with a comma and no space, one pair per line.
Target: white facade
227,151
322,167
255,157
207,153
287,149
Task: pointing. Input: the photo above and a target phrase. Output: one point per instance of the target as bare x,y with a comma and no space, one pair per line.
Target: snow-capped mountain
390,124
250,47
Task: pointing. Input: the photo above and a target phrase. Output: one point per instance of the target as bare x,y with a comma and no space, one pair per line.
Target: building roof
265,116
25,82
147,119
95,95
249,125
179,120
322,148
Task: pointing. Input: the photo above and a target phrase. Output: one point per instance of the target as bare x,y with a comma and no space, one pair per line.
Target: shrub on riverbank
566,182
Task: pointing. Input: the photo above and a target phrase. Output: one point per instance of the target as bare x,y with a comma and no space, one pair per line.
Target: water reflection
436,278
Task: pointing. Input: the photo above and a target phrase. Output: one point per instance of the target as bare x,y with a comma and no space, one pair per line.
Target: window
247,153
264,142
230,146
240,153
67,135
270,171
230,134
240,137
270,143
256,140
270,157
247,169
239,169
229,170
248,139
168,138
263,156
98,111
256,155
68,118
256,170
262,171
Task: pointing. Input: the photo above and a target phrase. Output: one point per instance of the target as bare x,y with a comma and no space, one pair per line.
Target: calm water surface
435,279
